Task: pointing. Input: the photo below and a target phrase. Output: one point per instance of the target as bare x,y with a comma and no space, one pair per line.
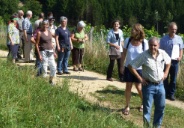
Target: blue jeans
62,62
170,87
157,93
38,66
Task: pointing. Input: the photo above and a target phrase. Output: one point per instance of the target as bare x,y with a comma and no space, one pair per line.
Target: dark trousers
77,55
111,66
14,50
170,81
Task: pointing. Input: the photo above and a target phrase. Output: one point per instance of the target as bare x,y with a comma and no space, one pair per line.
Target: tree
7,8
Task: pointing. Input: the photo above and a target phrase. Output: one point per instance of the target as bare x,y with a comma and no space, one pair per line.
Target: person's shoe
51,82
80,69
126,111
109,79
75,69
66,72
172,98
59,73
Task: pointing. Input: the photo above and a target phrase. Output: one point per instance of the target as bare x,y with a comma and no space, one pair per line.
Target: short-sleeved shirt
26,25
152,69
14,33
36,24
134,51
166,43
52,29
20,20
111,38
78,35
64,36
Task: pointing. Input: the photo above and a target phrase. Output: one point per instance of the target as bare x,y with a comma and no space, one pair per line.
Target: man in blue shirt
173,45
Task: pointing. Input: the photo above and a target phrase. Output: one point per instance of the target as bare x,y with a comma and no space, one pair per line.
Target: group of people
50,42
152,65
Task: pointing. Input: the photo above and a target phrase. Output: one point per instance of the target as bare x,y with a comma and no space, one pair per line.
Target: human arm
71,45
123,60
57,43
136,74
109,40
37,46
180,55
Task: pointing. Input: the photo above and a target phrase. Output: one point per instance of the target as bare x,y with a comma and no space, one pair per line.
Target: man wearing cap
28,31
78,39
153,74
64,46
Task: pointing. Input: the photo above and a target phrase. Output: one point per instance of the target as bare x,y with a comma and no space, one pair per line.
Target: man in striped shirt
153,74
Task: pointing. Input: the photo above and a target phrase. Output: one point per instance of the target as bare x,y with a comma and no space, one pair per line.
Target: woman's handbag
115,53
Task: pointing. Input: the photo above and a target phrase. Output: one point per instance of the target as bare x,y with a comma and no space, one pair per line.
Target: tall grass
28,101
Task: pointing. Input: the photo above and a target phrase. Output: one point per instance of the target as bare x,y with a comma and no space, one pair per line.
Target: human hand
165,76
179,58
55,55
143,81
71,47
117,47
40,57
122,70
12,43
58,48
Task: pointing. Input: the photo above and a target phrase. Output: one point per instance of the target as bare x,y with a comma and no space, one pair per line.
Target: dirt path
87,82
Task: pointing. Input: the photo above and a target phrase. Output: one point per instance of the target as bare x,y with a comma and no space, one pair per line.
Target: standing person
28,31
20,20
173,45
64,45
40,19
45,51
38,64
13,35
133,46
52,28
115,40
78,39
153,74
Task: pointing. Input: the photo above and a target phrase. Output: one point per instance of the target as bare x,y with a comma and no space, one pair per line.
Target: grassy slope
27,101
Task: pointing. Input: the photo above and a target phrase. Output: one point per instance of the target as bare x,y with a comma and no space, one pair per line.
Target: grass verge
28,101
173,117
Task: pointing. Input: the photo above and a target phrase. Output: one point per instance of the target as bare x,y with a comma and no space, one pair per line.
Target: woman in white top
115,40
133,46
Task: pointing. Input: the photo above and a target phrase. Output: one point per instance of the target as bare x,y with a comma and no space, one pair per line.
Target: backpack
129,43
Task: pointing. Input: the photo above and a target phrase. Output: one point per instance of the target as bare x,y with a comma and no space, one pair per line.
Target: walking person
133,46
45,51
78,39
173,45
28,31
14,39
153,74
64,46
115,40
